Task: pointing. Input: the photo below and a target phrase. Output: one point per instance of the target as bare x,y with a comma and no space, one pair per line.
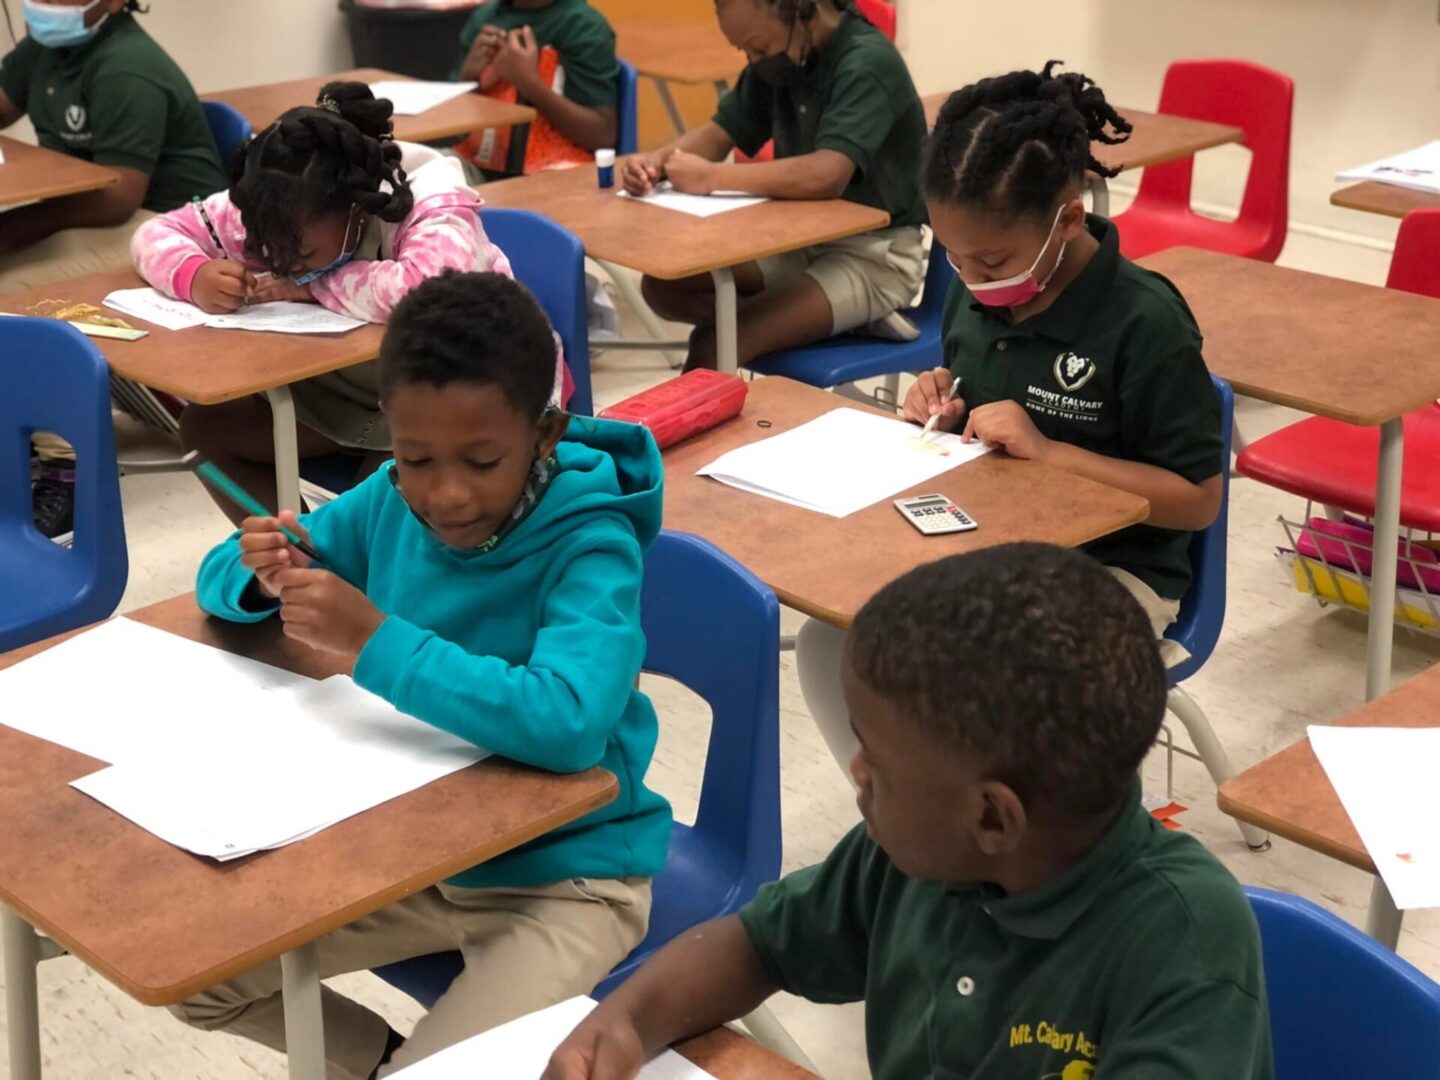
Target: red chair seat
1167,227
1335,464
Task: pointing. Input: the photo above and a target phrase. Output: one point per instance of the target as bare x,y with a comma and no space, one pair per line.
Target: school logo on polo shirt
75,118
1072,372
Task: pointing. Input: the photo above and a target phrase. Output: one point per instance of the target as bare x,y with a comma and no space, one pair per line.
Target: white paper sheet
1417,169
1385,778
721,202
276,317
414,98
841,462
521,1049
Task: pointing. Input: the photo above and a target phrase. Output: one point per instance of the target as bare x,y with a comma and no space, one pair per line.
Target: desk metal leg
287,454
721,88
1382,921
1099,196
668,100
304,1022
1382,580
22,1001
727,322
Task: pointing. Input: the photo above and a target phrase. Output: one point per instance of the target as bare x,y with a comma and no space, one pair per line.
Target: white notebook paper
414,98
276,317
721,202
841,462
521,1049
1385,778
1417,169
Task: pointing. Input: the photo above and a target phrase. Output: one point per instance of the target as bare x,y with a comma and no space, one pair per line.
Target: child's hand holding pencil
267,550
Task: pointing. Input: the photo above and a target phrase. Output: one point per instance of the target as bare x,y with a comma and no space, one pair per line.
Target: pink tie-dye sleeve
442,232
165,245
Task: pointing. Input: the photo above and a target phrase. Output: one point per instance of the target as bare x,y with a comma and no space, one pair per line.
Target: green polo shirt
1113,366
1143,960
575,30
119,100
855,97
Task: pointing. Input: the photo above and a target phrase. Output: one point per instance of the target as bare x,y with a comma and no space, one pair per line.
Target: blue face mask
58,26
347,252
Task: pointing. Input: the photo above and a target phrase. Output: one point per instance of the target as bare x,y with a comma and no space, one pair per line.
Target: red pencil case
683,406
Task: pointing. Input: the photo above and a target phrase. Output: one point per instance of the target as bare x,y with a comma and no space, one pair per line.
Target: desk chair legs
1382,921
770,1034
819,652
1197,725
22,1002
304,1024
671,109
287,452
630,293
727,322
1099,196
1381,633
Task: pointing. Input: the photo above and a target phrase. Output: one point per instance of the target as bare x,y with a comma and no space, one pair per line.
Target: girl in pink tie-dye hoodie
323,207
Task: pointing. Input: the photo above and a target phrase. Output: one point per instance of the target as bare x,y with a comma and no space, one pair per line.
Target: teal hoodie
530,650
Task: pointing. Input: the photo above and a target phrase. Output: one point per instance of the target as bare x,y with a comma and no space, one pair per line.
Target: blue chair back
712,626
627,111
550,262
1342,1005
230,129
1202,611
55,380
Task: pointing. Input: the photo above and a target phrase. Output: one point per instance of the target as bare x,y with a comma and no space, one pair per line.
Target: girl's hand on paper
1007,426
325,612
597,1050
640,173
220,287
266,550
265,290
690,173
930,396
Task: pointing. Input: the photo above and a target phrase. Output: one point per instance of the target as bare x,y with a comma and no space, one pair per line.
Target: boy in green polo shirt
1008,910
836,96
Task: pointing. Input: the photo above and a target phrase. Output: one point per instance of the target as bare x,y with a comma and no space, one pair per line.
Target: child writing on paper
1008,909
555,55
324,206
486,582
836,97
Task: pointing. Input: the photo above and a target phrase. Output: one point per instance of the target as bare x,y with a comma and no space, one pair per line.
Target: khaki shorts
864,277
1161,612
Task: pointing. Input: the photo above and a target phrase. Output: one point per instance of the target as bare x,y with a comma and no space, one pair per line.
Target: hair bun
356,103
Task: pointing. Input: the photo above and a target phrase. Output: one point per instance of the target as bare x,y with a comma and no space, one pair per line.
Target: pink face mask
1022,288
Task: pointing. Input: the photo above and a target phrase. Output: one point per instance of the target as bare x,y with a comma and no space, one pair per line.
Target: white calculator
934,515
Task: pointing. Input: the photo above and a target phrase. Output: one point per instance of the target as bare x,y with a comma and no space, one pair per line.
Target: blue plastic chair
230,129
1202,614
713,627
849,357
627,111
1342,1006
55,380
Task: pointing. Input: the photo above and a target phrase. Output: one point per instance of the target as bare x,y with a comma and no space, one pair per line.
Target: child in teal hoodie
486,582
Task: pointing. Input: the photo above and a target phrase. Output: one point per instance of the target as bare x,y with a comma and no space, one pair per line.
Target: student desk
1289,794
728,1056
162,924
1354,353
668,244
1157,138
32,172
208,366
690,53
1384,199
455,118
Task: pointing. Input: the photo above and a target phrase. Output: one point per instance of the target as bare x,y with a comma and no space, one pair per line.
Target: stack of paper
1417,169
841,462
276,317
1385,779
664,194
413,98
215,753
521,1049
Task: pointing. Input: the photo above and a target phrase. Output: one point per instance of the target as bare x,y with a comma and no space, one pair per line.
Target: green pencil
208,471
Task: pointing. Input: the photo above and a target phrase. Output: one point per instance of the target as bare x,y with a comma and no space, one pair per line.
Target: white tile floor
1281,664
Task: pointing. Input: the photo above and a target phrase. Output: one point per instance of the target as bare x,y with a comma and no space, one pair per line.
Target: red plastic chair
1335,464
883,17
1241,94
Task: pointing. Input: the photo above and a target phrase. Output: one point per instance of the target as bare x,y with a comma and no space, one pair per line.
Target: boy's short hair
1033,657
471,328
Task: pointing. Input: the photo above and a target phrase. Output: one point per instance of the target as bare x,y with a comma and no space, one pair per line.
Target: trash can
420,40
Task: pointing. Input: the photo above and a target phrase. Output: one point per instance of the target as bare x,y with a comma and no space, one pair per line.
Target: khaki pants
69,253
524,949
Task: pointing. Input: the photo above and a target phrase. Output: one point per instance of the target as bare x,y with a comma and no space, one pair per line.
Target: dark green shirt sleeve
1170,415
587,52
746,113
858,118
1198,1031
15,72
811,929
485,13
128,114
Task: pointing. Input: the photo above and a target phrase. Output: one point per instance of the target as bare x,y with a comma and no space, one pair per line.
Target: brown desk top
1157,138
680,52
729,1056
1384,199
1289,794
32,172
201,364
459,116
669,244
1355,353
163,924
828,567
